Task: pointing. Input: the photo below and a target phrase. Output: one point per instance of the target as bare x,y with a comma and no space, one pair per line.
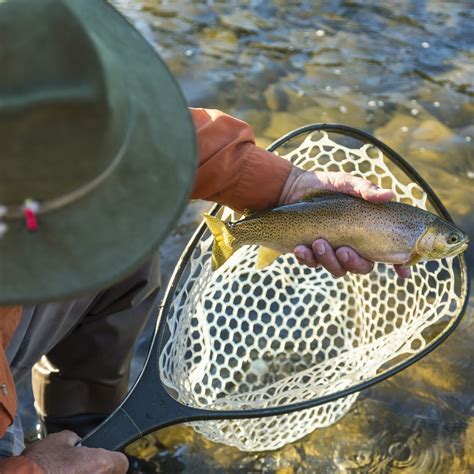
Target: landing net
241,338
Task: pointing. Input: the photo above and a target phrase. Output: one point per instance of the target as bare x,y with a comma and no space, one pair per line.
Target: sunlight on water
403,72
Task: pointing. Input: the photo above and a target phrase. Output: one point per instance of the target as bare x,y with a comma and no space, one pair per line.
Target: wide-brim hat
97,149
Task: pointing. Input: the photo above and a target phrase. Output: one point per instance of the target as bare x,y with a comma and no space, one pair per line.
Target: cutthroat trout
388,232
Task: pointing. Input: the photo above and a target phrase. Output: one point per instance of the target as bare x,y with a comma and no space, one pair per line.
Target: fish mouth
459,248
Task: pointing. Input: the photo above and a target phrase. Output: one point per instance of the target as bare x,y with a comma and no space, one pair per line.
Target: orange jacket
9,319
231,171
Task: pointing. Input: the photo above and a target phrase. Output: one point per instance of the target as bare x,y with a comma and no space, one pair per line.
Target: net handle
188,251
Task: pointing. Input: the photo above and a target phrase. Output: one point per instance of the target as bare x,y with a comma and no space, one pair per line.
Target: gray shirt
42,326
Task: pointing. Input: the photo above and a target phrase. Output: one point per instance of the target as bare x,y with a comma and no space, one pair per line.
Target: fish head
440,240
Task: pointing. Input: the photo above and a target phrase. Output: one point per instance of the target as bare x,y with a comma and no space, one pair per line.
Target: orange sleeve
19,465
232,170
9,319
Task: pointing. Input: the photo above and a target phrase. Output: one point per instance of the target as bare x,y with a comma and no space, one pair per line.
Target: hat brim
109,232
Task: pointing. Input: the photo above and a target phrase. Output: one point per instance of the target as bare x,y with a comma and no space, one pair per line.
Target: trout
390,232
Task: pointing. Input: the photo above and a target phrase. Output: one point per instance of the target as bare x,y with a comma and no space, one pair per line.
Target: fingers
377,195
299,183
114,462
352,262
359,187
339,262
327,258
121,463
97,460
402,272
58,453
305,256
64,438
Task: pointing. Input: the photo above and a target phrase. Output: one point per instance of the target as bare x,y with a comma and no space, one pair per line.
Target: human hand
343,259
57,454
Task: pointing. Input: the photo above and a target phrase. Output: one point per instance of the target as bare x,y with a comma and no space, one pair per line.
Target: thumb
370,192
359,187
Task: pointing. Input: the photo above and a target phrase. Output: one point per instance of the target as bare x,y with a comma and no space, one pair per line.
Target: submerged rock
215,41
277,98
158,9
258,119
243,21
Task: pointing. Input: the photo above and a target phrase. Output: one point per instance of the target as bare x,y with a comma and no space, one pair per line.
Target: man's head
95,139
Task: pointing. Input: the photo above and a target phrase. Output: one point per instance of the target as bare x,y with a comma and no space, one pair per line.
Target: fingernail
299,254
320,248
343,257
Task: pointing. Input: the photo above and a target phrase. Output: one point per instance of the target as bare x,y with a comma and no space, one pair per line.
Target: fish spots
374,230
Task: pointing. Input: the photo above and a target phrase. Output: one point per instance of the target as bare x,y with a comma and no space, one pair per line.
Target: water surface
402,70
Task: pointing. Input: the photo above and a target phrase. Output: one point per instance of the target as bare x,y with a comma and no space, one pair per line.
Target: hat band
41,207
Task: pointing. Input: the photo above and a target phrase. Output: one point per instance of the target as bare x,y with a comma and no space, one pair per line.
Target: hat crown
62,118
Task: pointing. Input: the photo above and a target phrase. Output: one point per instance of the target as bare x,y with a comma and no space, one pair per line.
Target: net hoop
215,430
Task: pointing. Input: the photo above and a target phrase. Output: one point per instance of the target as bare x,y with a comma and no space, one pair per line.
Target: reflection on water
403,71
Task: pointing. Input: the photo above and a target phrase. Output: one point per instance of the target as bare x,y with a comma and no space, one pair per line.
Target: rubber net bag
242,338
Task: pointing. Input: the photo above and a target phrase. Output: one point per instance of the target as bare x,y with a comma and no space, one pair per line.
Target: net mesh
242,338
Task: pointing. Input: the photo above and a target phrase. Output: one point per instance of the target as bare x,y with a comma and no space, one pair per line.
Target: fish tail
223,239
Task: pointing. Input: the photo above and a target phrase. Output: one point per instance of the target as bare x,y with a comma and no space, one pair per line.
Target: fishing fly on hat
97,149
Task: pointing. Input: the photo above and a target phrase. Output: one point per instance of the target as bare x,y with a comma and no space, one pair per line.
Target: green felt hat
96,145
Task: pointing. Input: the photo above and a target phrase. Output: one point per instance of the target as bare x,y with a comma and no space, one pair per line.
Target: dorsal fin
313,193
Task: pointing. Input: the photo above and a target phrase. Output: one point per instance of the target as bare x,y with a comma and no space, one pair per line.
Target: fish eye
453,239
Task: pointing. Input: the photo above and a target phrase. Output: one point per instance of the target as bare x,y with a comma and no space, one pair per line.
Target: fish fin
266,256
223,239
313,193
415,258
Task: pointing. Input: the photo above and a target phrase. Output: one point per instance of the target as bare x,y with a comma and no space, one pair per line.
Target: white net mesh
242,338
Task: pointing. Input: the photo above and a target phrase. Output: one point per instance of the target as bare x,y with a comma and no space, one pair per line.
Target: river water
402,70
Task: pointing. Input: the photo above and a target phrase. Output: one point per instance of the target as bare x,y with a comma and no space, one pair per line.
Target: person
88,129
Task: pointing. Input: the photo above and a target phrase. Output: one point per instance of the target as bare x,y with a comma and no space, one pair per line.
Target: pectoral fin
266,256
